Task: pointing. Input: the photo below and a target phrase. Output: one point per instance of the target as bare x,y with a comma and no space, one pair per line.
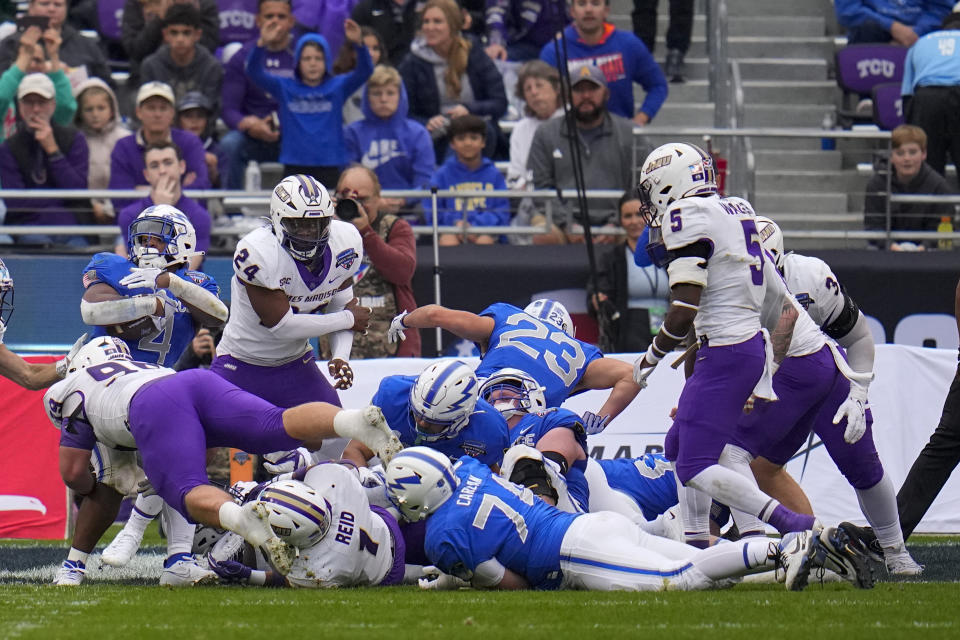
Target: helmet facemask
6,295
305,238
159,240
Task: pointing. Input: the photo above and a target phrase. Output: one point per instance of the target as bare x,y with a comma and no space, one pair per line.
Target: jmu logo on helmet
662,161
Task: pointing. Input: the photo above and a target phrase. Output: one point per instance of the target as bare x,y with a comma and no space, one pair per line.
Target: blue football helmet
301,212
526,394
161,237
419,480
444,394
6,295
553,312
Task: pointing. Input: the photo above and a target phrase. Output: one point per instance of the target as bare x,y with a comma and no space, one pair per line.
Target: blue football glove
594,424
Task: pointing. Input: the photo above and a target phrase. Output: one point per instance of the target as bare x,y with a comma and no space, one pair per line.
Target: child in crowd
911,175
195,114
347,61
311,103
398,149
98,117
468,170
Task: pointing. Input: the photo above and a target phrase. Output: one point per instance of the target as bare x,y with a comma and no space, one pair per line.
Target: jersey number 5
752,239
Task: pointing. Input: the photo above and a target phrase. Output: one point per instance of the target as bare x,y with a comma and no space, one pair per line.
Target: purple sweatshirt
126,162
65,170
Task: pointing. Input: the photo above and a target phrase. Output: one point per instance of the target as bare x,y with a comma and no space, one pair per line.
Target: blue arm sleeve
649,75
255,71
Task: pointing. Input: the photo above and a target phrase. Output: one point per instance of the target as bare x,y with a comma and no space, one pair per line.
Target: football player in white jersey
718,280
348,543
774,433
293,282
171,418
28,375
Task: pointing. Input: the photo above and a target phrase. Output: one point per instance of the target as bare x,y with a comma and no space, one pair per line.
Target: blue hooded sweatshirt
482,211
399,150
311,118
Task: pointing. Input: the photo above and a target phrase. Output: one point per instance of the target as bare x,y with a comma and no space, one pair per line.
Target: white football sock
179,531
735,491
738,459
728,560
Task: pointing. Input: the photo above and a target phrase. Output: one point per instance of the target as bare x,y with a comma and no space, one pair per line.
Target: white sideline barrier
907,397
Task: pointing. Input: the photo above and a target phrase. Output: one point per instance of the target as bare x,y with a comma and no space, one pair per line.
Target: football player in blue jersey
155,304
440,409
539,340
29,375
486,532
640,488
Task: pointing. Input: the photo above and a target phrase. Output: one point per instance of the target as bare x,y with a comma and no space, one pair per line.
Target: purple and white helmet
299,515
301,212
100,351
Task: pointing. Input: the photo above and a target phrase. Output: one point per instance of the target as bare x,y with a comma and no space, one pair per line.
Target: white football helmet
298,514
553,312
419,480
301,212
6,295
99,351
445,393
771,238
673,171
162,236
527,393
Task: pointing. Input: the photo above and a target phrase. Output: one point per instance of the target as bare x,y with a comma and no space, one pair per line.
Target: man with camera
81,55
385,282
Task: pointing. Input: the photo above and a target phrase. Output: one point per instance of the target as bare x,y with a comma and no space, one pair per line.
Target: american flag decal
89,278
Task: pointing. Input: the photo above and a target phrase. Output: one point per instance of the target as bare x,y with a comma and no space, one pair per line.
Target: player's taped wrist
306,326
196,296
654,355
117,311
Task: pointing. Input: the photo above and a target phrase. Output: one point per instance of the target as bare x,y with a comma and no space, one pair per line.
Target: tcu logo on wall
876,67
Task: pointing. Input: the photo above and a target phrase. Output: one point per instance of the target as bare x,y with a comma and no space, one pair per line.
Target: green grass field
113,606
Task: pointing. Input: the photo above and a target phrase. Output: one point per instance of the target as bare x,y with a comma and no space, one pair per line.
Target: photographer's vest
378,294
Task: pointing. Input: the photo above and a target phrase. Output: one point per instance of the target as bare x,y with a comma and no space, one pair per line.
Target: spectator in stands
538,85
468,170
311,103
518,30
80,55
142,29
396,148
897,21
181,61
31,59
164,169
632,296
347,61
679,32
606,142
931,91
98,117
195,114
622,57
911,175
42,155
390,260
395,21
155,111
452,76
249,111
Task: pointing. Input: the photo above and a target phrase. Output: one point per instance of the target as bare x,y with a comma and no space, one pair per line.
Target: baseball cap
588,73
154,88
37,83
194,100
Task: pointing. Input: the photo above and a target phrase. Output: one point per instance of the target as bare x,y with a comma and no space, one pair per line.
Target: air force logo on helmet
165,225
419,480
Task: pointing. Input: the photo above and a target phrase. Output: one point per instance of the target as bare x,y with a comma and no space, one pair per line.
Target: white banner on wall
907,398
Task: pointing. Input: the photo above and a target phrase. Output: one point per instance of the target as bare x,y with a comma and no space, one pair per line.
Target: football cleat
186,573
277,552
900,563
865,538
70,573
844,557
119,552
795,558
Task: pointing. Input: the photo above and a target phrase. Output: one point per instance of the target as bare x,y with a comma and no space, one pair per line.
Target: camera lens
347,209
